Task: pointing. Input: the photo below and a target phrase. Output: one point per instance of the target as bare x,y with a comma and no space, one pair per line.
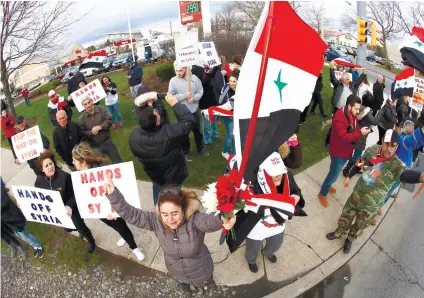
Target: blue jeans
336,167
115,110
209,130
28,238
356,154
389,194
157,189
229,139
27,101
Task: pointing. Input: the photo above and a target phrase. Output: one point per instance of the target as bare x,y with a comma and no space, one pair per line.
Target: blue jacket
407,144
136,75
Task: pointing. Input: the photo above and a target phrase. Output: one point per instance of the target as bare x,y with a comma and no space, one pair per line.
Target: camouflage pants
350,212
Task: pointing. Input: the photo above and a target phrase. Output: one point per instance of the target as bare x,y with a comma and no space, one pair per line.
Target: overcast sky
111,16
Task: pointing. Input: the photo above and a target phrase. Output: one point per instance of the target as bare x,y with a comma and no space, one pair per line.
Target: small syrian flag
225,110
404,84
412,49
290,79
96,57
343,62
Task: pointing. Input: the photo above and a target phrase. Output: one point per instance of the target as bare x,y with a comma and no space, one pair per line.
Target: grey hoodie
179,87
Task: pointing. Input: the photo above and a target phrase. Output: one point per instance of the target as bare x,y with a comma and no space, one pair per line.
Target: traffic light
362,30
375,37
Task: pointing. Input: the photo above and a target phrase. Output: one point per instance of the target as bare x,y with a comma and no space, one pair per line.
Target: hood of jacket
284,150
363,111
192,207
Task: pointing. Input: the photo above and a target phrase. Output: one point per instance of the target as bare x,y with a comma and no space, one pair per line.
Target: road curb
325,269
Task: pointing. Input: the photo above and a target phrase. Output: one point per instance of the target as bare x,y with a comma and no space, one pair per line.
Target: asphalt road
390,264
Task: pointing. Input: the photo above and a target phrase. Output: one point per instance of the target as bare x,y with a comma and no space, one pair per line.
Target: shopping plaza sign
190,12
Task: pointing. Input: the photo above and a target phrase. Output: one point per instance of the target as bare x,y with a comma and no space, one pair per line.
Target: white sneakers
140,256
225,155
121,242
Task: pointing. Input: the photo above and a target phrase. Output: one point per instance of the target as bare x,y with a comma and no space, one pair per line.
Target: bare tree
228,17
216,24
407,19
251,11
296,5
348,20
384,14
314,15
168,47
30,31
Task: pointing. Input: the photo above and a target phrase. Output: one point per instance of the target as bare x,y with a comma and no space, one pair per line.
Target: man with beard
158,143
65,136
381,170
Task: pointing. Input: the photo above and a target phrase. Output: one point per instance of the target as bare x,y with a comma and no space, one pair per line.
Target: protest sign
91,195
93,89
42,205
417,101
209,54
338,75
186,51
28,144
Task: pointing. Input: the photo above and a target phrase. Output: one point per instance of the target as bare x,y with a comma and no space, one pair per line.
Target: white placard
42,205
338,75
93,89
209,54
186,48
417,101
90,193
28,144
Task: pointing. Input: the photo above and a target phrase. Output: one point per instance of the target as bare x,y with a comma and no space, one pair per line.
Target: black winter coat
73,84
378,91
209,98
338,87
365,119
160,151
387,117
403,111
11,215
319,85
62,182
64,140
246,221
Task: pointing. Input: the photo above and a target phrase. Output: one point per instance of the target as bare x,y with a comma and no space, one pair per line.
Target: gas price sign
190,12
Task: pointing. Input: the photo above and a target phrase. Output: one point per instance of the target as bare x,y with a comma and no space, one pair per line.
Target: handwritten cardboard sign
209,54
338,75
91,195
28,144
186,48
93,89
42,205
417,101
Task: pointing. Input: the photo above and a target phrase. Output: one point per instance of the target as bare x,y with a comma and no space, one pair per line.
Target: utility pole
170,25
361,49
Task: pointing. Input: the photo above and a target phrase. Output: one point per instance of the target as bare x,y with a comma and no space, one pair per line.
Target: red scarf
378,158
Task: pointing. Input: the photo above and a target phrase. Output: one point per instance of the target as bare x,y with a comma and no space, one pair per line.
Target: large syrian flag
412,49
290,78
404,84
96,57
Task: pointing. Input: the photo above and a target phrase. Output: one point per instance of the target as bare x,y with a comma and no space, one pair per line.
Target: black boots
349,166
91,242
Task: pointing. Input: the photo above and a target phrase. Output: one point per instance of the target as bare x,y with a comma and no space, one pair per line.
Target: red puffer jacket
8,125
341,141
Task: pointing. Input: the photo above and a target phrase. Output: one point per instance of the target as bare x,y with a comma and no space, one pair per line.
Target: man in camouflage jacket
381,170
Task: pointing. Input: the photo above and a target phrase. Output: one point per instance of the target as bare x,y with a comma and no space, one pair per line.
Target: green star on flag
420,44
405,83
280,85
97,58
398,84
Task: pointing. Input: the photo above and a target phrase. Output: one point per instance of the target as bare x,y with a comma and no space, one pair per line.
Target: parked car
351,51
122,60
331,54
90,68
59,76
371,58
69,74
34,85
342,49
106,65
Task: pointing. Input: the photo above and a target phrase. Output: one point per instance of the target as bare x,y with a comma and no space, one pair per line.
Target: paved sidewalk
305,246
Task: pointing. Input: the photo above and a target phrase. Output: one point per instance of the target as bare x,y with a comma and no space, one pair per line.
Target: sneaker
374,222
225,155
379,212
323,200
253,268
35,252
187,158
331,236
121,124
332,190
272,259
113,126
140,256
204,152
121,242
40,252
347,246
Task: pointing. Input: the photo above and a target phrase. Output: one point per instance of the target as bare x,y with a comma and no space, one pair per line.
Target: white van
153,49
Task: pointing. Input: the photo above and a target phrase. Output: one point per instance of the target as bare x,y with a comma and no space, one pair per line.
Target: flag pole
264,65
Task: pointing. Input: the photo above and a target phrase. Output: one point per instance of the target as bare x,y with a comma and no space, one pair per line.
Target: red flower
225,208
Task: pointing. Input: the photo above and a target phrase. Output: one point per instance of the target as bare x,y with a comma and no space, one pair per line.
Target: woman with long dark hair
112,101
85,157
52,177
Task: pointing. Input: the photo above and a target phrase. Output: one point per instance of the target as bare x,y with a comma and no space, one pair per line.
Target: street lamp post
361,48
